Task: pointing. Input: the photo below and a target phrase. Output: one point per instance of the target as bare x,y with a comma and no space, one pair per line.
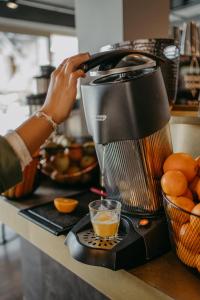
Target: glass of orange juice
105,217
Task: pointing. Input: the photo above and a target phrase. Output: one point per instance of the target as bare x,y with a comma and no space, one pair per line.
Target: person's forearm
34,132
58,103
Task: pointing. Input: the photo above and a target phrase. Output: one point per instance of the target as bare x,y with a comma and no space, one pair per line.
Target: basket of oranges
181,193
70,161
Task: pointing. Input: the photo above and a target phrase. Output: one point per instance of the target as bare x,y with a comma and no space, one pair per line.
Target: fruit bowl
184,230
28,183
74,163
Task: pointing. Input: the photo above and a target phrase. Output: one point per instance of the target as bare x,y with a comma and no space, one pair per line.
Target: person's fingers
74,62
72,82
69,65
60,68
75,76
63,64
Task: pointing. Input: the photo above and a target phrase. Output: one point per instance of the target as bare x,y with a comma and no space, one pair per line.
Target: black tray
47,216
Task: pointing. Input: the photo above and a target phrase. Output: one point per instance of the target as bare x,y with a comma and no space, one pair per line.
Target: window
21,55
62,47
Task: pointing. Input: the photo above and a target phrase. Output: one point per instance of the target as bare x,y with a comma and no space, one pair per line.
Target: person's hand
63,88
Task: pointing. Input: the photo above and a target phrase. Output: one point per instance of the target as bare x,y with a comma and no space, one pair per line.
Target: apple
89,148
61,162
87,161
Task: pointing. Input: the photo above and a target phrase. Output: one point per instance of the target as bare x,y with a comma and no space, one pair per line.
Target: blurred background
32,34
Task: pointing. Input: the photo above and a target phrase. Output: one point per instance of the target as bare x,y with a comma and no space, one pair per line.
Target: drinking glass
105,217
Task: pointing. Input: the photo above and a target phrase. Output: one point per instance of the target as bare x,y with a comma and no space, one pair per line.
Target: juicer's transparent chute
132,170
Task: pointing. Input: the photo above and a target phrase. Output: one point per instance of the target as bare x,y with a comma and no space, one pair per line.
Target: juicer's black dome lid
121,77
129,67
124,97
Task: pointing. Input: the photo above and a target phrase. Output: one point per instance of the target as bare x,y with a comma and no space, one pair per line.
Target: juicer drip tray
89,239
135,244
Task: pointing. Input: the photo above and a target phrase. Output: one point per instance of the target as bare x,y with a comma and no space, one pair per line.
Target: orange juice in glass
105,217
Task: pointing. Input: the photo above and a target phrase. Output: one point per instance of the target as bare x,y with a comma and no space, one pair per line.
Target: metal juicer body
132,171
128,120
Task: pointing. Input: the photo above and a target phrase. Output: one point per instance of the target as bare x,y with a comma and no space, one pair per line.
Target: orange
195,220
198,263
189,238
193,183
65,205
186,256
175,213
174,183
182,162
197,189
198,161
188,194
195,186
75,152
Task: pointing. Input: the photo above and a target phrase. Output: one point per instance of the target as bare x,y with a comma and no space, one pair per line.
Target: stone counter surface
163,278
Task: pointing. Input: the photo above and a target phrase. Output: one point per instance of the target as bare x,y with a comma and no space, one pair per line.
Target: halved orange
65,205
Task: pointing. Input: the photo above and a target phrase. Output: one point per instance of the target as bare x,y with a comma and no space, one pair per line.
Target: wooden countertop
163,278
184,113
185,117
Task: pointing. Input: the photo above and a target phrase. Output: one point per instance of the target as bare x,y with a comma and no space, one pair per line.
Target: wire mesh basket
184,231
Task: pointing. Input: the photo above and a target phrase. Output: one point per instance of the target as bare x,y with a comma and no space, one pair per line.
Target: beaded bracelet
41,114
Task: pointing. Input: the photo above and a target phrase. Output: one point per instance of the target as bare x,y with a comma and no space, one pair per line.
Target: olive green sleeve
10,168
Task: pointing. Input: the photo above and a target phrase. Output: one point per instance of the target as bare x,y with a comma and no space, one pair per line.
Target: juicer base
134,245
